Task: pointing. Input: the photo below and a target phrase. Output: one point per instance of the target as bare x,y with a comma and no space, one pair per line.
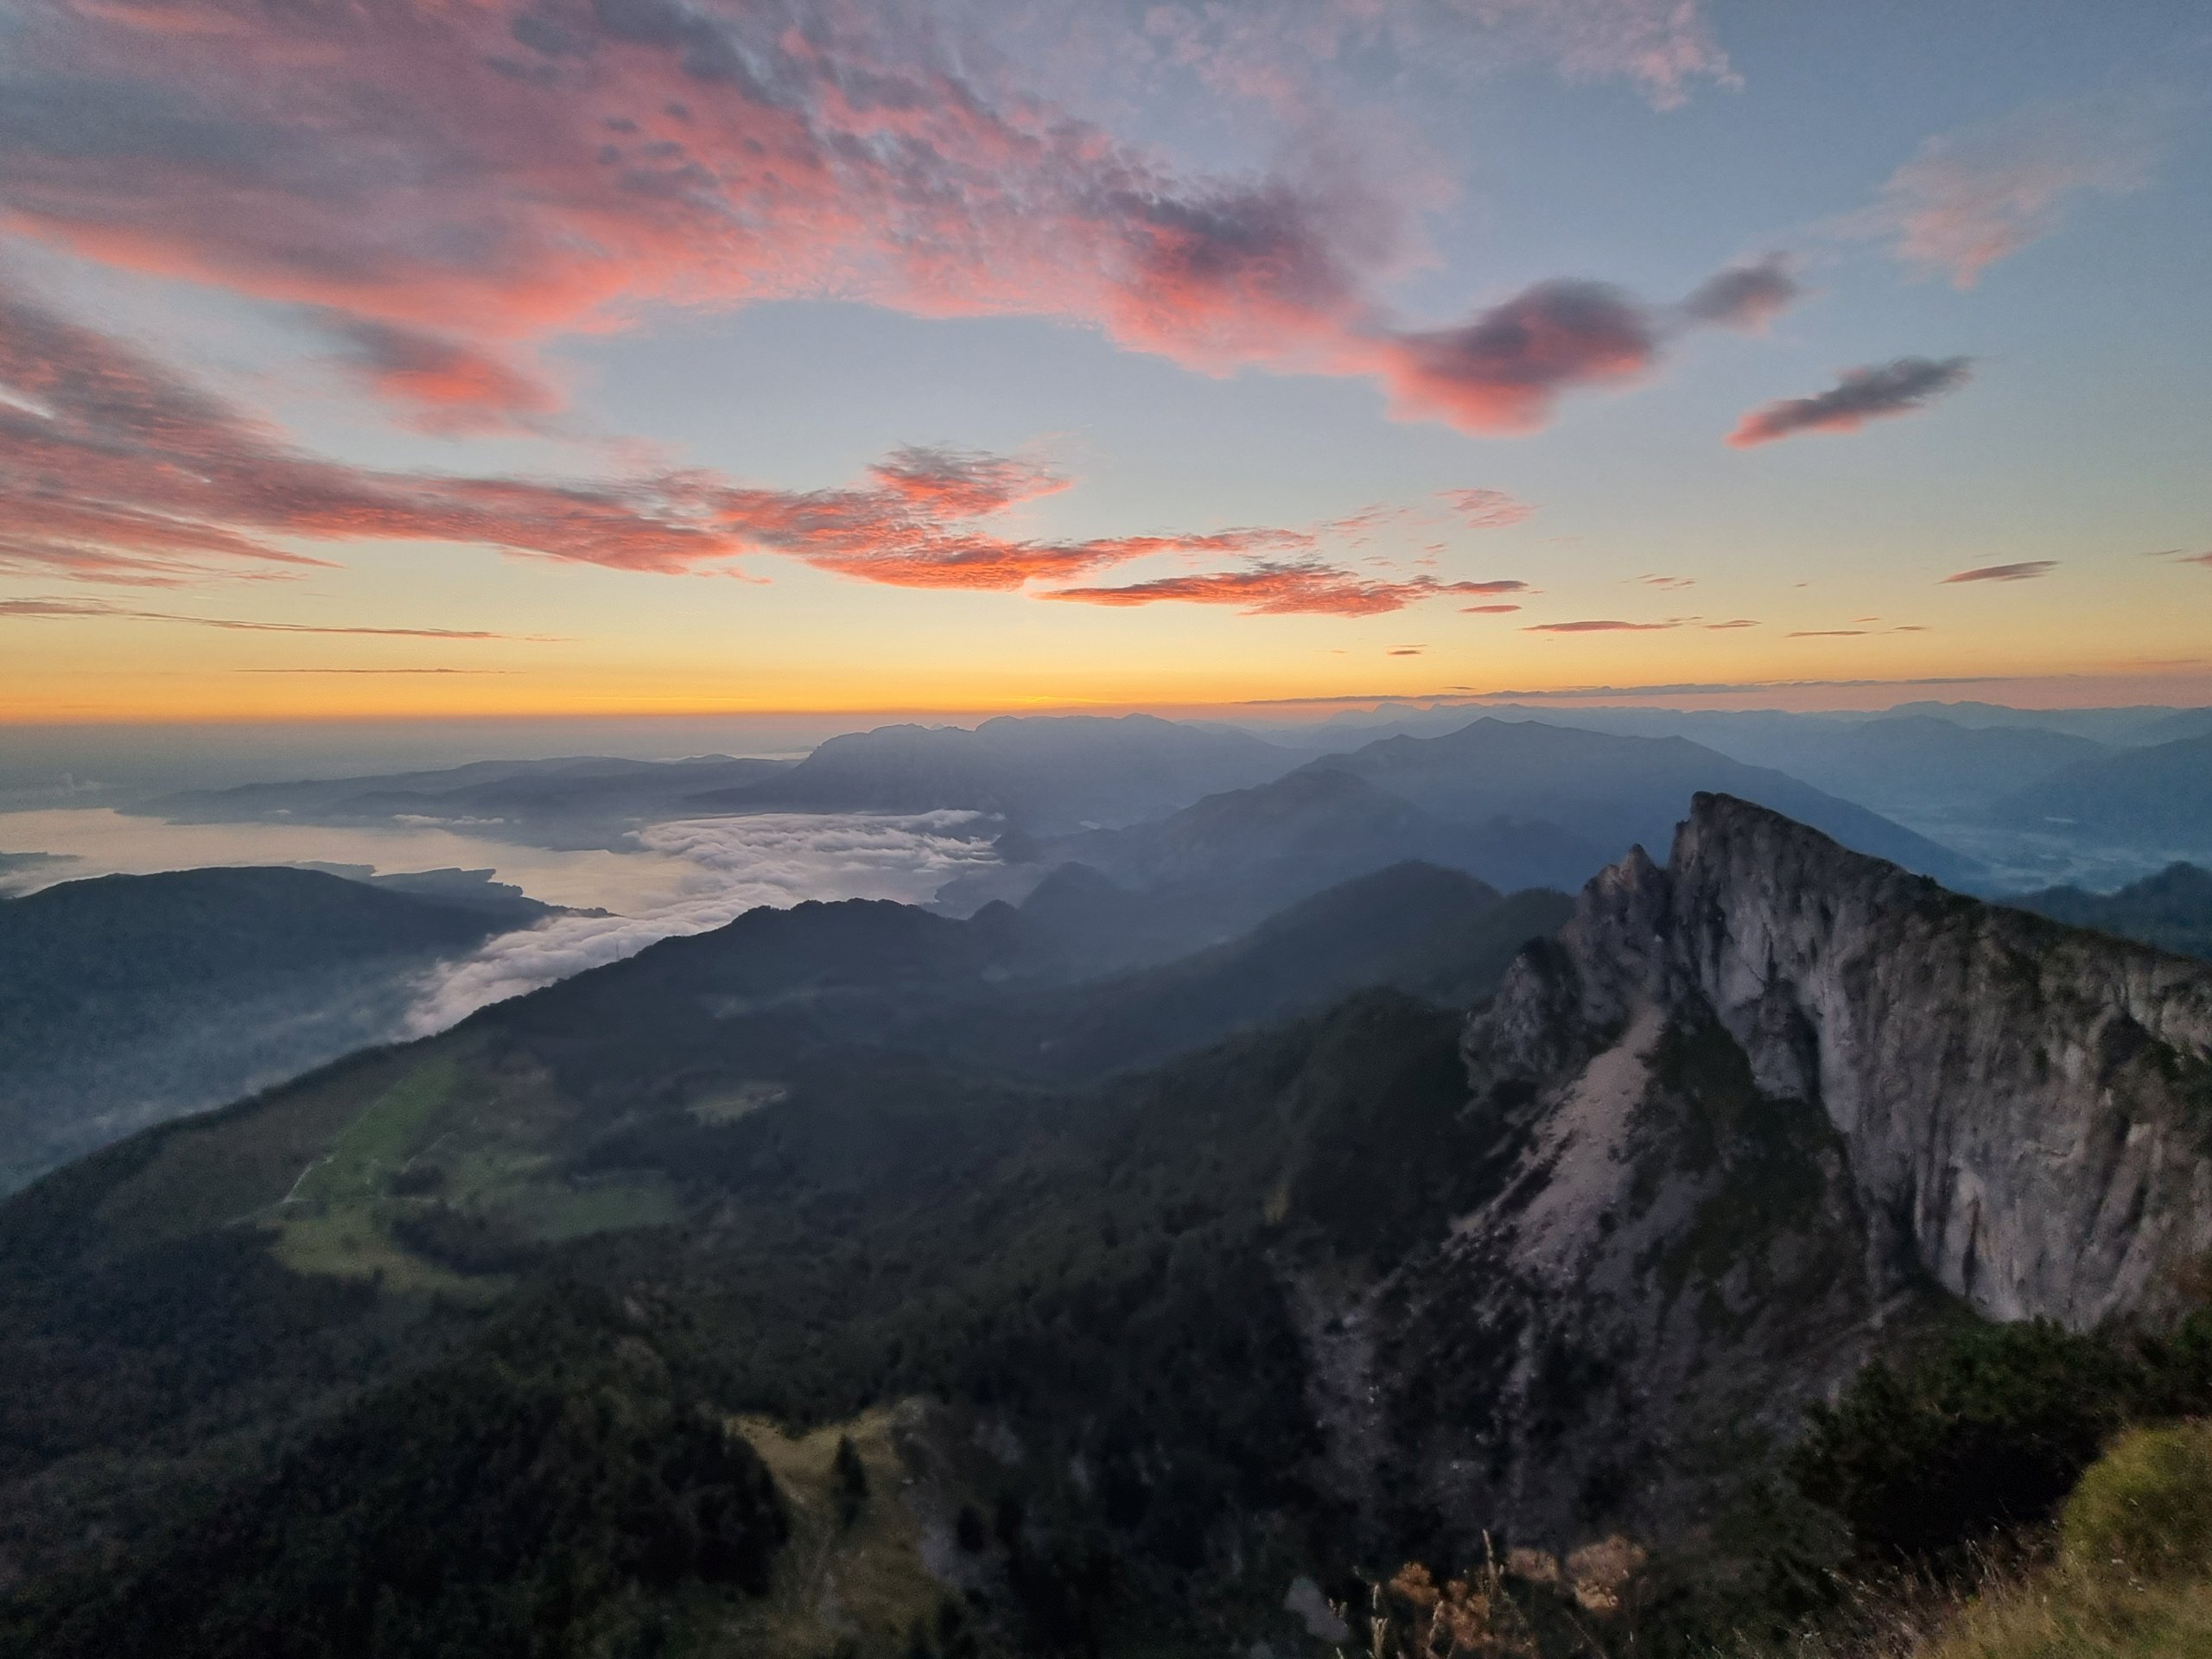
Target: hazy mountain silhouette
1611,793
1046,775
2159,798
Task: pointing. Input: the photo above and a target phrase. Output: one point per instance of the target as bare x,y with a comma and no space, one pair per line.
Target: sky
476,358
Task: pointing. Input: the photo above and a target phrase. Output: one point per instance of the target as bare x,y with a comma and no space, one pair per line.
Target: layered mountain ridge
1201,1279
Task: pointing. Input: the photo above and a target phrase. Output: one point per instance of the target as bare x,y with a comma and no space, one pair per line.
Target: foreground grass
2071,1612
2130,1577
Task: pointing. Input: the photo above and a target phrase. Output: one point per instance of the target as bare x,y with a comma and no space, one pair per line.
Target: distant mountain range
126,1000
1612,792
1973,794
1517,804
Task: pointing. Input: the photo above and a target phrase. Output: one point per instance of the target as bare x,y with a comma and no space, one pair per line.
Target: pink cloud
1968,200
1490,610
447,183
167,484
448,387
1599,627
1277,588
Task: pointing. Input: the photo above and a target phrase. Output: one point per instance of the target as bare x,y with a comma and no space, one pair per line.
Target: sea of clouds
731,864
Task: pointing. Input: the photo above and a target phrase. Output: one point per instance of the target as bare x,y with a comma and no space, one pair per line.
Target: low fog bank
738,863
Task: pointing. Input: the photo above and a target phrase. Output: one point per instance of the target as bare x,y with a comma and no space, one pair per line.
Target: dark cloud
1604,626
1743,296
1897,387
2026,570
1503,371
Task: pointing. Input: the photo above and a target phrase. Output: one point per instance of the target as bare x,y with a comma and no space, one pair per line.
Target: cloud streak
168,485
2025,571
77,608
1599,626
1486,509
1283,588
1898,387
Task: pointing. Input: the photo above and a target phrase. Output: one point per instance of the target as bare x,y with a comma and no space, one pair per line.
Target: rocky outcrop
1764,1106
2026,1108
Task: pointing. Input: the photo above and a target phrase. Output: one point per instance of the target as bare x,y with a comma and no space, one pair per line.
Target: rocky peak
1748,1111
2026,1108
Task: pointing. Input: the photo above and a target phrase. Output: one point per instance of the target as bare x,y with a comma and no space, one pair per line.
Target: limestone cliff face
2026,1108
1756,1107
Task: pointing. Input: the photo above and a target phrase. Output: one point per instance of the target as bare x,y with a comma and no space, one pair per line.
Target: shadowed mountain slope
2159,797
2172,910
127,999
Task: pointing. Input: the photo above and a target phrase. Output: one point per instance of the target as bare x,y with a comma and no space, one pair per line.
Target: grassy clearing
212,1171
371,1149
351,1244
552,1214
866,1581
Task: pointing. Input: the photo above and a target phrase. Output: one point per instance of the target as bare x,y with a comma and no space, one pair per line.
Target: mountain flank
2172,910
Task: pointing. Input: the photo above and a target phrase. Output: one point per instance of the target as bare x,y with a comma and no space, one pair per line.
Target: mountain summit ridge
2029,1109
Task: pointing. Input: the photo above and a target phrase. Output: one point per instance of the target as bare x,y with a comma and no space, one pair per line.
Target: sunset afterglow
645,356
